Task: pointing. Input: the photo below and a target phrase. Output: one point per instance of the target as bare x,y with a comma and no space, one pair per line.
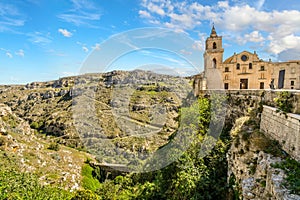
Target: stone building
244,70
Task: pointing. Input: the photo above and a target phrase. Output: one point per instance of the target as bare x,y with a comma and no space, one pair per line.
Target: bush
18,185
85,195
34,125
284,101
54,146
88,181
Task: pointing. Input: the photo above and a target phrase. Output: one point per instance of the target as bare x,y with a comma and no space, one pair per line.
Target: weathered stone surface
284,128
252,167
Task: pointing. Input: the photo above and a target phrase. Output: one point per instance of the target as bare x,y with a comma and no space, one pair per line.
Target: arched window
250,65
238,66
214,45
226,77
214,63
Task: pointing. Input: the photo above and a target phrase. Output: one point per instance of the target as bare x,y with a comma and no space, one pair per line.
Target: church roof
213,32
228,60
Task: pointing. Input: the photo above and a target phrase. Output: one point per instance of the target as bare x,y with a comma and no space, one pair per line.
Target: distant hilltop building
243,70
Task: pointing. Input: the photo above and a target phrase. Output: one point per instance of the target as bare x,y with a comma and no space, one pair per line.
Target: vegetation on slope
15,184
190,177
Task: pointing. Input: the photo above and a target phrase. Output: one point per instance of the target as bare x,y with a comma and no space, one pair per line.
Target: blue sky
44,40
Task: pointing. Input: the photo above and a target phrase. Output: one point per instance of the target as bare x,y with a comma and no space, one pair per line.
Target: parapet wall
285,128
267,96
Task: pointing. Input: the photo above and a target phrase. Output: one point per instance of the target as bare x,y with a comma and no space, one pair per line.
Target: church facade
244,70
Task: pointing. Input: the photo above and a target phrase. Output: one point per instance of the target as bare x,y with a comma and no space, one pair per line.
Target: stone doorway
244,83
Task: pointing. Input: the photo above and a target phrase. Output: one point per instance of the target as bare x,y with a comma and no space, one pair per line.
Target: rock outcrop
23,149
250,162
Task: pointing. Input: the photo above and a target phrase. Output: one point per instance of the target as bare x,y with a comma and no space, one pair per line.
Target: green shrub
88,181
18,185
54,146
85,195
34,125
284,101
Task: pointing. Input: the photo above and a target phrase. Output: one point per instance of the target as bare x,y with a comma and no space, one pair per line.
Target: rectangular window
238,66
262,85
250,65
226,69
226,86
281,79
262,68
292,82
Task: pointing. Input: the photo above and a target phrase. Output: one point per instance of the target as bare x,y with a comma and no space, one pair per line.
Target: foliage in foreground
18,185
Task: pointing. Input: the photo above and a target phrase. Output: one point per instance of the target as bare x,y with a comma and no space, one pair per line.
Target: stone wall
268,96
284,128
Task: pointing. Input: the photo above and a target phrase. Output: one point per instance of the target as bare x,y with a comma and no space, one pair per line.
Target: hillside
66,139
119,116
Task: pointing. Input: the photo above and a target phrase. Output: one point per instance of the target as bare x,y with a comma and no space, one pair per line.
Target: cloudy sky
48,39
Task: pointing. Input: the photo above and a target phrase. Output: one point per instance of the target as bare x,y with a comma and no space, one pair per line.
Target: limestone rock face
252,167
5,110
29,152
81,111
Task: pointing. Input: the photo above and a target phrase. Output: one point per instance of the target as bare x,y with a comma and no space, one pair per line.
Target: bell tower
213,55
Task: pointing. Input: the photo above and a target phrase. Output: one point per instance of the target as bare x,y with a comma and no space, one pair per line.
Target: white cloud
254,36
8,54
223,4
144,14
96,47
282,44
85,49
83,12
65,32
20,53
84,46
198,45
10,17
80,4
278,30
40,38
156,9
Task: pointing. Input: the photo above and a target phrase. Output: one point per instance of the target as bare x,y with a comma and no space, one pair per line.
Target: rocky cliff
135,111
24,150
251,159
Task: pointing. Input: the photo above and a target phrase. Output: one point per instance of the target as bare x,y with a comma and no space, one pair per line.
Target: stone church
244,70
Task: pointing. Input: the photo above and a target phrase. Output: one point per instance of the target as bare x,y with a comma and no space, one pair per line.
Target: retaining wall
284,128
